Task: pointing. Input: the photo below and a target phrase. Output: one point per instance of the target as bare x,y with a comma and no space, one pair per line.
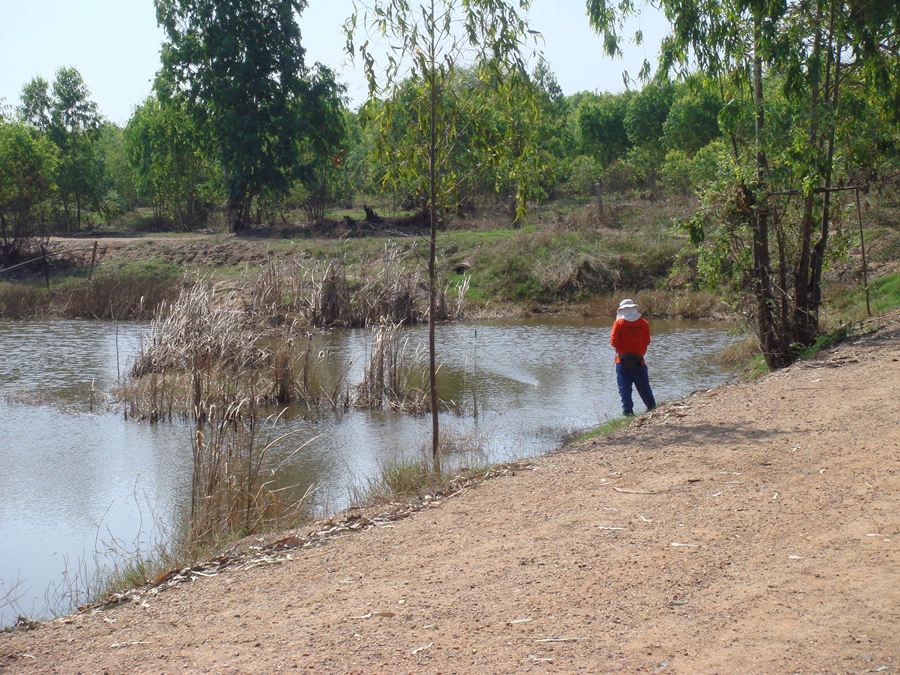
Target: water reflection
74,481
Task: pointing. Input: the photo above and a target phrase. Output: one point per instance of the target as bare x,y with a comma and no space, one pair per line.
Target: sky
115,45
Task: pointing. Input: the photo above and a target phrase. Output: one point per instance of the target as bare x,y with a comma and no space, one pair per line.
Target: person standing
630,337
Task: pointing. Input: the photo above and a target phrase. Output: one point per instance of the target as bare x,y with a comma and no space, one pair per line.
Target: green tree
428,44
325,140
819,48
646,112
358,173
28,165
240,65
601,122
120,181
692,121
71,120
171,158
36,104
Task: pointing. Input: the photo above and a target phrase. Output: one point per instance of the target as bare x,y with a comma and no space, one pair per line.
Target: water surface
77,484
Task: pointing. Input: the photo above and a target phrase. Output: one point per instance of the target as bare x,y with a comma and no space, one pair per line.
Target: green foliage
706,164
884,296
886,292
605,429
825,341
675,173
646,113
324,143
692,121
644,162
70,119
525,153
794,68
28,166
584,174
681,173
601,122
240,66
121,181
619,176
172,162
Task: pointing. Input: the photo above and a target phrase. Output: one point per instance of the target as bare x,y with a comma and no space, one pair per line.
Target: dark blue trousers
625,377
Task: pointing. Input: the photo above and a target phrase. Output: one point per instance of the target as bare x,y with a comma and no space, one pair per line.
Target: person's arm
614,335
646,335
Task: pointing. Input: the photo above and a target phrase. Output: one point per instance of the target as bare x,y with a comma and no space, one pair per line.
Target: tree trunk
833,65
805,327
432,253
236,214
770,339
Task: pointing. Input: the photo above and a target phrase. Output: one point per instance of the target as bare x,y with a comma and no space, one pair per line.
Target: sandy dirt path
755,528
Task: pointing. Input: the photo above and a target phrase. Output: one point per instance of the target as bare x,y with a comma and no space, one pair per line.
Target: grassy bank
569,252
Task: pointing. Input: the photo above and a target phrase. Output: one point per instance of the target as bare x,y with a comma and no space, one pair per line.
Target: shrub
675,173
584,174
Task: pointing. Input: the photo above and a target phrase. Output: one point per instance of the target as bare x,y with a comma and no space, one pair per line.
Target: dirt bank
755,528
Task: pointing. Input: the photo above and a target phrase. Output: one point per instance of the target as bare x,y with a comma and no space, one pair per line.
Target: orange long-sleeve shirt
630,337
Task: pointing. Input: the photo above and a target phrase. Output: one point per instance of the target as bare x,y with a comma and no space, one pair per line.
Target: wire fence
99,290
46,255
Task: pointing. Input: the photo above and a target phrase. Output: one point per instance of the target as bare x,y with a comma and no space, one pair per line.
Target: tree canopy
240,65
28,166
809,54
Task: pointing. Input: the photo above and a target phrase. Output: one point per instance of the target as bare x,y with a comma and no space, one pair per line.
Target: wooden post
862,243
93,260
46,266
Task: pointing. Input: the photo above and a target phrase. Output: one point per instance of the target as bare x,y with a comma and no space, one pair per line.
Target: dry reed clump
393,291
571,273
392,376
218,343
212,347
330,294
108,297
208,361
233,490
21,301
114,297
321,294
205,326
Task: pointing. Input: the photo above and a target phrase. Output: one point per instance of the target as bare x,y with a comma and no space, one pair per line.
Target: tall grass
233,489
463,456
332,293
122,295
393,376
252,339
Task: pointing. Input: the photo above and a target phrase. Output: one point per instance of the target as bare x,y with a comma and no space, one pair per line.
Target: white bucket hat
628,310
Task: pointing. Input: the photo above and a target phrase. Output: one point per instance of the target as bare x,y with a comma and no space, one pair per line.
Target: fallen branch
637,492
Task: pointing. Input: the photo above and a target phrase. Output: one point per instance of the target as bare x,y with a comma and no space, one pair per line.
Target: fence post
46,266
862,243
93,259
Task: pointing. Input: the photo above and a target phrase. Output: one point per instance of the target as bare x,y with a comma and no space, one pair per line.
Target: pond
82,486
